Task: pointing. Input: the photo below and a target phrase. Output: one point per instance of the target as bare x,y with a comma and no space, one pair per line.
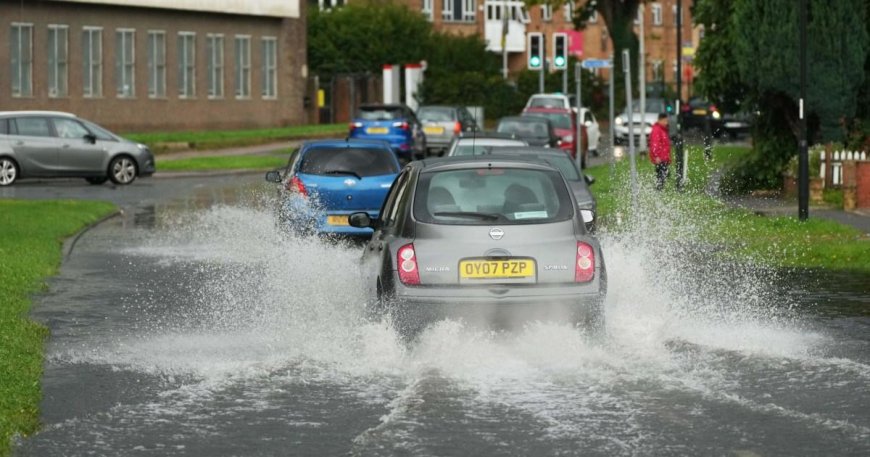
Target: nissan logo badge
496,233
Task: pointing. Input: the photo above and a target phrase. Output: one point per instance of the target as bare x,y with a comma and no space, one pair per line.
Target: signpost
590,64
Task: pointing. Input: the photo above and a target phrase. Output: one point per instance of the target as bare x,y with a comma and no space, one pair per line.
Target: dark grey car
488,238
56,144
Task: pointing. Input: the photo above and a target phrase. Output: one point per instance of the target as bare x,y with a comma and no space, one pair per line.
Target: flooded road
189,326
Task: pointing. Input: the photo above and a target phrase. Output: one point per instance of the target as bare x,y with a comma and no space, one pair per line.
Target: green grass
259,162
693,215
160,142
31,237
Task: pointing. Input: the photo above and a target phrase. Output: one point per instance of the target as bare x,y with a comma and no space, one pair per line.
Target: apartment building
138,65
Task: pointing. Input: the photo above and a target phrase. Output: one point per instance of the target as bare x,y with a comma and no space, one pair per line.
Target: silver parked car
442,124
56,144
488,237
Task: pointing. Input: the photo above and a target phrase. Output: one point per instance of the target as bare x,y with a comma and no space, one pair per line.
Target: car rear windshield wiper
469,214
343,172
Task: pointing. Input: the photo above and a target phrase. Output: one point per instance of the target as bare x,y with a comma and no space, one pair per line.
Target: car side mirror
273,176
90,138
590,180
362,220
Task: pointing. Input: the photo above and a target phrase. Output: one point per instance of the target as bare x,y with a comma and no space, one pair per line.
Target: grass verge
161,142
261,162
30,245
782,241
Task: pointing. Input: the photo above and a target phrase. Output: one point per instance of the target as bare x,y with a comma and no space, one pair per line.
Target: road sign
596,63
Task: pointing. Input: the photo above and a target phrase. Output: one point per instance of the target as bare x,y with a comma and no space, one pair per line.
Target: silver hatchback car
56,144
497,239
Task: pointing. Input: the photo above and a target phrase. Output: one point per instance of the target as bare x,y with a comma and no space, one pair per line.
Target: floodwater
186,328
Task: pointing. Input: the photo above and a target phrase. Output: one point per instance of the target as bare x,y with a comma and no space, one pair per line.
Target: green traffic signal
535,61
559,61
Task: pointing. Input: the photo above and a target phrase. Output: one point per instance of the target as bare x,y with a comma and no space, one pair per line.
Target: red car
565,123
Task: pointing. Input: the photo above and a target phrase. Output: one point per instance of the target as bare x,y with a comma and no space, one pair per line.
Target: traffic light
535,49
560,51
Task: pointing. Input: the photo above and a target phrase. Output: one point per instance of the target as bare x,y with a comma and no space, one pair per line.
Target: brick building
139,65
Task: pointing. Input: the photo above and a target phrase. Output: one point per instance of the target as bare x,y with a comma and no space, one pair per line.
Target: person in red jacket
660,150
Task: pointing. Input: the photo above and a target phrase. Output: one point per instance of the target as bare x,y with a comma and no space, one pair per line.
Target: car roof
36,113
517,150
488,161
541,109
382,105
524,119
346,142
487,136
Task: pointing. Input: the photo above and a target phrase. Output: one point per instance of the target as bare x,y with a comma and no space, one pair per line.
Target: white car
654,106
550,101
593,130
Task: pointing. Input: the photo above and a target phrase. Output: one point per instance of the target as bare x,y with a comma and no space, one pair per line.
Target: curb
70,242
207,173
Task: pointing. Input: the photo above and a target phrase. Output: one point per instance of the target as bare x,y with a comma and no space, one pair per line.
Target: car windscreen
559,120
484,196
526,128
379,113
359,162
651,106
436,114
564,163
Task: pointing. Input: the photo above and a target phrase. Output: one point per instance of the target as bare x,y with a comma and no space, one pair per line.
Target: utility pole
541,81
803,159
681,169
626,66
641,79
504,34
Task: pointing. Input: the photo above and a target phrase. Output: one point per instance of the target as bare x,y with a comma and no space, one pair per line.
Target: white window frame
23,66
523,13
269,88
243,67
186,65
58,60
214,50
156,64
469,10
427,9
125,65
93,66
656,9
447,10
546,12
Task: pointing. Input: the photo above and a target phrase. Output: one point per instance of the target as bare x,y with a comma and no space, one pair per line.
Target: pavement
762,204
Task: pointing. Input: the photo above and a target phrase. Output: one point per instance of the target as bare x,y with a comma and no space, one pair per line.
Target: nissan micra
486,237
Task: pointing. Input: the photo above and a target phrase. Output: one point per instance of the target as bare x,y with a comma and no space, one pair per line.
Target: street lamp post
803,159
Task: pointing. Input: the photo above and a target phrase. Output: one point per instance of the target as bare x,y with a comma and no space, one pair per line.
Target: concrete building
140,65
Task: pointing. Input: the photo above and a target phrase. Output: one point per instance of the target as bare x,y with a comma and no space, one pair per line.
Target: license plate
497,269
434,130
700,112
337,220
377,130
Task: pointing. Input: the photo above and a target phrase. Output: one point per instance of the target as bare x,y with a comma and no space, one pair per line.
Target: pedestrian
660,150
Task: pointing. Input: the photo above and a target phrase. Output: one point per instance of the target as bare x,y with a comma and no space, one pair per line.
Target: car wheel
122,170
97,181
8,171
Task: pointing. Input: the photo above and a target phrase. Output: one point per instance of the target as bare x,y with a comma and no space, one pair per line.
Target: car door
79,151
34,144
376,257
593,131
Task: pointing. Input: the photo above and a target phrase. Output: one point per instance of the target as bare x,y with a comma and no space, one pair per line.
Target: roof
541,109
269,8
36,113
346,142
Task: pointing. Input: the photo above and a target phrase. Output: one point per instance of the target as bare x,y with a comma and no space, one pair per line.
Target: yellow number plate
434,130
699,112
497,269
377,130
337,220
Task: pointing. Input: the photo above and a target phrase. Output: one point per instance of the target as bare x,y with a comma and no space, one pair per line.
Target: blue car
395,124
327,180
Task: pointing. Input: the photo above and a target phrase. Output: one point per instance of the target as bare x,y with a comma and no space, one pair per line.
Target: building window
58,50
658,70
270,67
656,14
214,54
427,9
469,10
156,64
674,8
125,62
329,4
569,12
447,10
21,53
92,61
546,13
186,64
243,66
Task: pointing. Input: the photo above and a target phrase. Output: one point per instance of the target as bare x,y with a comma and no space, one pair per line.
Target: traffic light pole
578,140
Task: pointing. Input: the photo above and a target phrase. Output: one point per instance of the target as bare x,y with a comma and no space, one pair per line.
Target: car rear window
485,196
547,102
559,120
379,113
436,114
348,161
526,128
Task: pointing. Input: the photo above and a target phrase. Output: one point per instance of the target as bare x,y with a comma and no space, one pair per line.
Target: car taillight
457,127
407,265
713,108
354,125
295,185
401,125
584,267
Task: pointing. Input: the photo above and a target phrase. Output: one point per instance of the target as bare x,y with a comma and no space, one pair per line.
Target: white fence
834,162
